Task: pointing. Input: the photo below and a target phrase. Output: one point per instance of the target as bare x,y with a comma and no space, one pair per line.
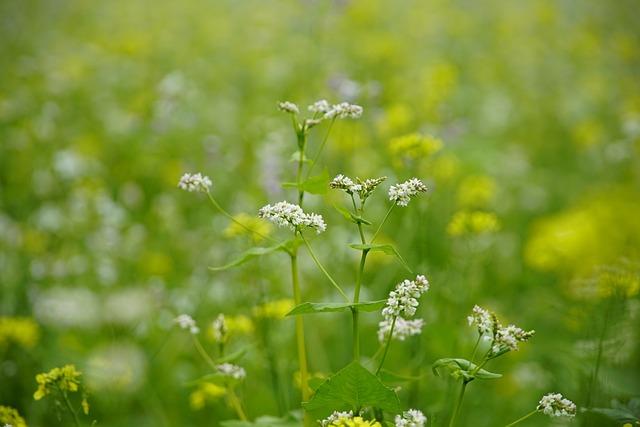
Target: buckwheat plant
494,340
355,395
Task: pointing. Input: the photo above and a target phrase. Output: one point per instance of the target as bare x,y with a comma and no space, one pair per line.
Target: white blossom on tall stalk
411,418
186,322
289,215
401,194
403,300
220,330
556,405
344,110
288,107
401,330
194,182
321,106
233,371
362,187
335,417
482,319
507,338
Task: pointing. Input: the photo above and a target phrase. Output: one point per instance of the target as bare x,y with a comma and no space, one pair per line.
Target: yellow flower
62,379
274,309
206,392
20,330
472,222
476,191
258,227
413,147
355,422
9,416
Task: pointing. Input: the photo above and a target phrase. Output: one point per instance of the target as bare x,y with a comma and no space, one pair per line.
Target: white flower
289,215
288,107
233,371
344,110
345,183
555,405
481,319
220,329
336,416
402,193
411,418
402,329
186,322
320,106
507,338
403,300
195,182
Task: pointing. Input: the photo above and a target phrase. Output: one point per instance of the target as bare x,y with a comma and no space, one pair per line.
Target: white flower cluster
403,302
508,337
288,107
411,418
363,188
335,417
321,106
194,182
556,405
481,319
402,329
289,215
344,110
233,371
186,322
220,329
402,193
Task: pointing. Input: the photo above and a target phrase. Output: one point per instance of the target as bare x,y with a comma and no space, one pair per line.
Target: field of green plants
184,238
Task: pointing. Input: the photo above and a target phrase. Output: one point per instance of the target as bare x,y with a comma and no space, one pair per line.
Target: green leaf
462,368
329,307
250,254
344,212
315,382
235,356
352,388
384,248
317,184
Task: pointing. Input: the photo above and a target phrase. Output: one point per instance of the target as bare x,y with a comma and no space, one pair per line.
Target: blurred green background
523,117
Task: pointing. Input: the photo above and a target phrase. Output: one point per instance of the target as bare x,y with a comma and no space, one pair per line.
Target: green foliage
330,307
387,249
462,369
352,388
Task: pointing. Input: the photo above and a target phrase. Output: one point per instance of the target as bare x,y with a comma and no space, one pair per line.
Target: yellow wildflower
63,379
476,191
472,222
259,227
23,331
354,422
10,416
413,147
274,309
206,392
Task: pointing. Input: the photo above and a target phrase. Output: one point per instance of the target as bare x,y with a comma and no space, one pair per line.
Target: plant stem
69,407
386,347
302,142
231,218
322,144
458,404
236,404
475,347
321,267
204,353
522,419
356,292
382,223
302,355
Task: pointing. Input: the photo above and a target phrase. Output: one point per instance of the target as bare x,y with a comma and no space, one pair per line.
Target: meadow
151,275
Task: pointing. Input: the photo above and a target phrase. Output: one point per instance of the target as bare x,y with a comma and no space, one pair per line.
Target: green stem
356,293
204,353
521,419
321,267
458,404
475,347
231,218
235,403
382,223
386,347
322,144
69,407
302,354
302,142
